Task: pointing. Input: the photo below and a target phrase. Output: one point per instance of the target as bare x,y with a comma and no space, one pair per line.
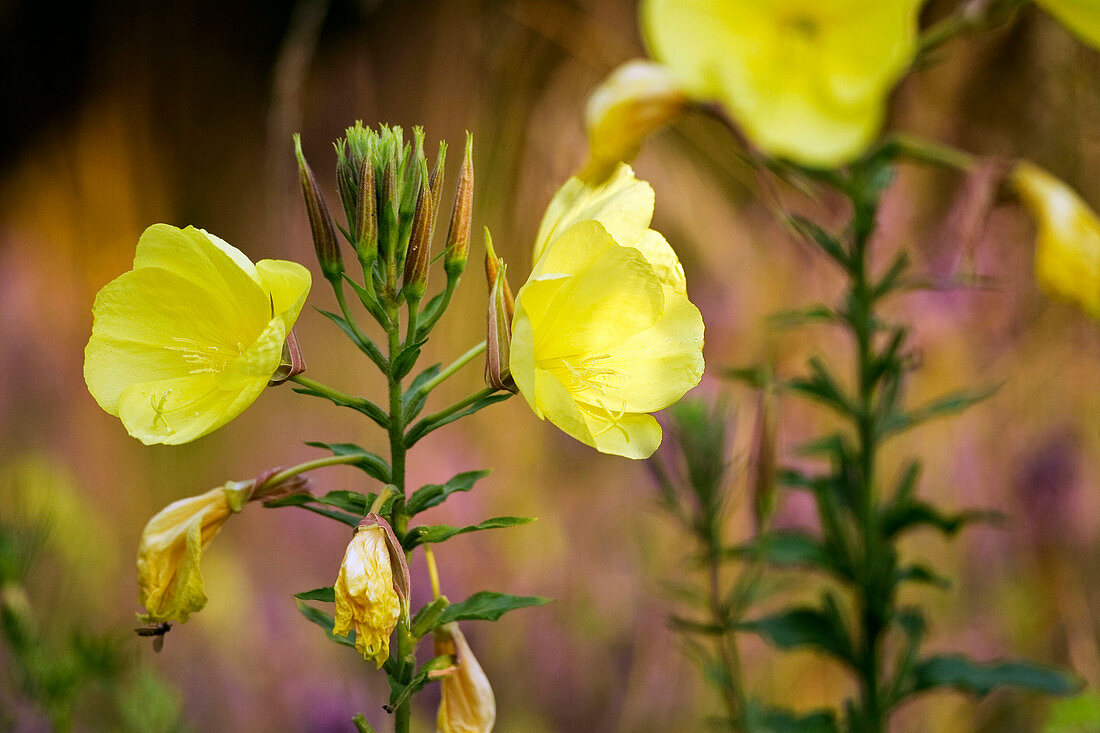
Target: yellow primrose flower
1067,250
467,704
635,100
603,331
170,583
371,588
188,339
1080,16
805,79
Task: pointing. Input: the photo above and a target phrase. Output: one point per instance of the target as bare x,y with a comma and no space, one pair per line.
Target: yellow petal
633,435
288,285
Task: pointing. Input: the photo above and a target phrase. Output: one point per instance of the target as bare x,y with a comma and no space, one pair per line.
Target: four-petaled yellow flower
188,339
1067,251
170,583
805,79
466,703
604,331
372,588
1080,16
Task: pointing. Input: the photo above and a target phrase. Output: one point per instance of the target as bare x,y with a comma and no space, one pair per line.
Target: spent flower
372,588
805,80
1067,248
466,703
604,332
188,339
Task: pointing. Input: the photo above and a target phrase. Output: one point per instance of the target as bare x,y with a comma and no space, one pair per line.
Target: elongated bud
462,216
502,307
419,254
320,221
634,101
389,221
366,217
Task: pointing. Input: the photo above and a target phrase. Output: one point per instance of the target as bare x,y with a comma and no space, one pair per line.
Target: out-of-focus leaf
326,622
897,518
803,316
829,244
803,626
786,548
433,494
766,719
951,404
962,673
921,574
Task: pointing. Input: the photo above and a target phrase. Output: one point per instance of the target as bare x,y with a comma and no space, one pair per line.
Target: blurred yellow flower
635,100
1067,251
604,331
1080,16
467,704
170,583
188,339
805,79
371,588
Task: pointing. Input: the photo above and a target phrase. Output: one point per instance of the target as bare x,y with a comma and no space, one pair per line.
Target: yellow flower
603,331
805,79
467,704
188,339
1080,16
1067,251
636,99
170,583
371,588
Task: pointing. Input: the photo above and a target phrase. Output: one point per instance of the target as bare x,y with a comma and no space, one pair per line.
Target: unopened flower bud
320,221
462,215
634,101
1067,251
502,307
466,704
366,217
372,588
419,255
170,583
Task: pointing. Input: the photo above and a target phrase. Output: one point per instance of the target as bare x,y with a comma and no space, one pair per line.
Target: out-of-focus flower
806,80
372,588
188,339
1067,251
604,332
635,100
170,583
467,704
1080,16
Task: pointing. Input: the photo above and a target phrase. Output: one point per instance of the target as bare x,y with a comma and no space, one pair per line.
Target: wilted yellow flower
604,332
1080,16
188,339
372,588
635,100
806,79
170,583
1067,251
467,704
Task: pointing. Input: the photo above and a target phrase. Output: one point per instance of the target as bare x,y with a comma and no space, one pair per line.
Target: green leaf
828,244
373,464
821,386
406,359
326,622
427,425
487,606
828,445
803,316
434,494
306,501
325,595
962,673
897,519
412,402
439,532
921,574
754,376
359,404
786,549
763,718
891,278
950,404
803,626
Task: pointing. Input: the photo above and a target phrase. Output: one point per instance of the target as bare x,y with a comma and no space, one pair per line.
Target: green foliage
962,673
435,494
372,464
441,532
487,606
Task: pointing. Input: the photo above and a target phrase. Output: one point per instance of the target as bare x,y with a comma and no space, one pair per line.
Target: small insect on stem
155,630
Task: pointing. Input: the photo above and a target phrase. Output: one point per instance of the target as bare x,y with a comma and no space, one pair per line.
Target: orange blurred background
122,114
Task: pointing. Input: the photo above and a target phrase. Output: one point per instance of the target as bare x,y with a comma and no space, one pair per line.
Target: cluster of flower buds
391,204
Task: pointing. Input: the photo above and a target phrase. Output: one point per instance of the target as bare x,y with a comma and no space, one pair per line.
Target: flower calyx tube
502,308
419,254
320,220
372,588
462,216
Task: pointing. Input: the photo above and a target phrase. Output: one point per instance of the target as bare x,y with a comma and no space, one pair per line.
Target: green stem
361,339
972,15
428,424
363,405
925,151
457,364
303,468
441,305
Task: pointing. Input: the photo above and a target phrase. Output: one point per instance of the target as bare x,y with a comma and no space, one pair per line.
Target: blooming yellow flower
1067,251
189,338
603,331
170,583
371,588
467,704
635,100
805,79
1080,16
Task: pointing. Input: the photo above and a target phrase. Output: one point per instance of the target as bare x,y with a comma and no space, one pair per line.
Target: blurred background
124,113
